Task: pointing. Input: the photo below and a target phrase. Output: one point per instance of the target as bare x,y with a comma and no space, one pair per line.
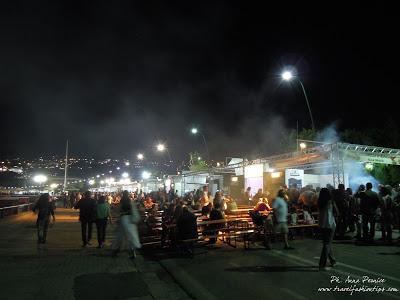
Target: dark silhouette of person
45,208
87,216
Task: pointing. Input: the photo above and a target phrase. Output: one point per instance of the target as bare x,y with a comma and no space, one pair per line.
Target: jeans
86,226
327,237
42,226
368,219
386,226
101,225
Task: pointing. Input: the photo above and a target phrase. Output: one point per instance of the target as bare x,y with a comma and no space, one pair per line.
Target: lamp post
195,131
287,76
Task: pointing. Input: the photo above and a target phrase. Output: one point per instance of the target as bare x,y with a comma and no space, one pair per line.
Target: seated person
187,225
260,211
206,210
263,205
215,214
148,202
230,203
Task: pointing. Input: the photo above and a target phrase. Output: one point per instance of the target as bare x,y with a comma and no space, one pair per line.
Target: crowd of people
339,211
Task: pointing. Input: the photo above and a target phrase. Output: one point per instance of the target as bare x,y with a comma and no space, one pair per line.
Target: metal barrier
15,209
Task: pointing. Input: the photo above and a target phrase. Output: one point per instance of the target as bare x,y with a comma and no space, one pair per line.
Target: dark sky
116,78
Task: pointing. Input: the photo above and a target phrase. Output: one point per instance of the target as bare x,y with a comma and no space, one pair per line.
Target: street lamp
195,131
40,179
140,156
146,175
287,76
303,146
162,148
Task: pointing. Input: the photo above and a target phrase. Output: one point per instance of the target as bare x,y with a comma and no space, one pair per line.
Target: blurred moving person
45,208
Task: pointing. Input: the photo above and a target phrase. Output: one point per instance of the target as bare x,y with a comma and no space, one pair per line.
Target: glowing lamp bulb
287,75
369,166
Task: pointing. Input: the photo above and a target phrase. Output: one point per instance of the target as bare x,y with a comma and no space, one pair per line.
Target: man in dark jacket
187,229
368,206
87,215
45,208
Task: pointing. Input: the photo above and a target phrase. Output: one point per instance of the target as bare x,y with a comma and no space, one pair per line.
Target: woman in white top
328,225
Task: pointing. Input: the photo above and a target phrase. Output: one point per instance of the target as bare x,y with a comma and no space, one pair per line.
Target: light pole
287,76
195,131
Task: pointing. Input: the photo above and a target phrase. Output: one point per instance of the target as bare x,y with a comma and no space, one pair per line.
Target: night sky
117,78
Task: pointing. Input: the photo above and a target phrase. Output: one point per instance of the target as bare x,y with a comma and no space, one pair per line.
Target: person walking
45,208
127,227
87,215
103,213
280,214
328,225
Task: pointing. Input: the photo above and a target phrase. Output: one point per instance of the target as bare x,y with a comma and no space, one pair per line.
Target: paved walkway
61,269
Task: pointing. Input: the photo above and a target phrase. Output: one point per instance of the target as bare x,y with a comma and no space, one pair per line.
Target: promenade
61,269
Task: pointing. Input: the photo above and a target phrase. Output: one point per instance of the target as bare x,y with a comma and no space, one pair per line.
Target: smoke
329,134
358,175
355,170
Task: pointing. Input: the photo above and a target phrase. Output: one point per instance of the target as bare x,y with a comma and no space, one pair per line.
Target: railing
15,209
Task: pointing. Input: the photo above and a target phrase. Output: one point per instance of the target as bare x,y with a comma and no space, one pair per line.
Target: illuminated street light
91,182
40,179
127,163
369,166
146,175
288,76
125,175
53,186
195,131
140,156
303,146
162,148
98,176
218,164
118,168
199,158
